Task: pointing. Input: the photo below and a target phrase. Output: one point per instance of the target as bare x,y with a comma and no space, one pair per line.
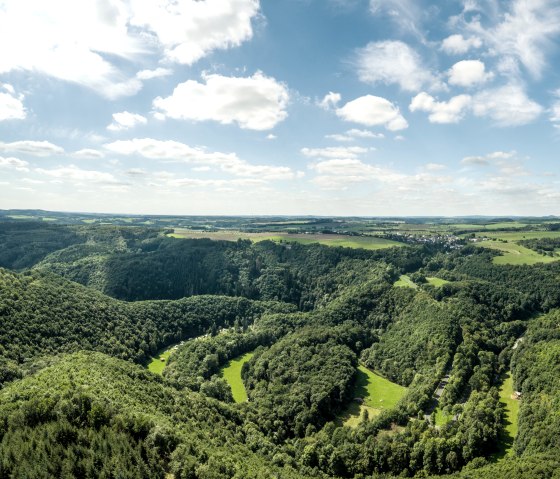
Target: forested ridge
83,308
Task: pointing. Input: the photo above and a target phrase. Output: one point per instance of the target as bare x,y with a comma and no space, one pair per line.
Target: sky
291,107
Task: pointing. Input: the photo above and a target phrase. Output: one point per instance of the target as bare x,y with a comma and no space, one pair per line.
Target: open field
156,365
232,374
511,413
366,242
521,235
377,393
404,281
437,282
515,253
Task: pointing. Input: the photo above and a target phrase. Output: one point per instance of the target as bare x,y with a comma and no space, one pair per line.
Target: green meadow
404,281
365,242
159,361
377,393
232,374
514,253
511,413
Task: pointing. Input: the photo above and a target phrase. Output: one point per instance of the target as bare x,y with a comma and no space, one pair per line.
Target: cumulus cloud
190,29
12,163
507,105
355,134
256,103
451,111
468,73
180,152
393,62
82,42
372,110
11,105
335,152
151,74
459,45
126,120
30,147
88,154
330,100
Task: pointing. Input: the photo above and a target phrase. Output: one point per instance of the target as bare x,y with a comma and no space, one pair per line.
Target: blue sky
321,107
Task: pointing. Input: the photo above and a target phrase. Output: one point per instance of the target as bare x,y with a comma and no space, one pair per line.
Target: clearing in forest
377,394
232,374
437,282
511,412
405,282
159,361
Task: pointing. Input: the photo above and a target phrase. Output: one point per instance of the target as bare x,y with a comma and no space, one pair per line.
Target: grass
437,282
521,235
514,253
156,365
405,282
377,393
232,374
511,414
365,242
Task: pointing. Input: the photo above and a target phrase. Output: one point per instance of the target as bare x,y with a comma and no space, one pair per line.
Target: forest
84,308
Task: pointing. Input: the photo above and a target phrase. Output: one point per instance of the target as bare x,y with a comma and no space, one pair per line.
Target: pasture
511,412
377,394
514,253
232,374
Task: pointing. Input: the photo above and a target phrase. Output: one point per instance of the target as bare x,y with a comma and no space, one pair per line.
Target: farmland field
515,253
377,393
366,242
232,374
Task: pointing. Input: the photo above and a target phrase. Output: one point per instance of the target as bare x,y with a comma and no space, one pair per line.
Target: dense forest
84,309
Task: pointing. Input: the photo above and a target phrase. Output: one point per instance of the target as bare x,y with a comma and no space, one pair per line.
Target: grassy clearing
158,363
515,254
521,235
365,242
377,393
232,374
441,418
405,282
437,282
511,413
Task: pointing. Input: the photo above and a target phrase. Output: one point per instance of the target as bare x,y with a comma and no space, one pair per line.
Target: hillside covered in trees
84,309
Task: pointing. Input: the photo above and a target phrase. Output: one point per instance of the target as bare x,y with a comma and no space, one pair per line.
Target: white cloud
393,62
488,159
157,73
256,103
14,163
524,34
468,73
176,151
507,106
29,147
335,152
555,109
452,111
82,42
372,110
126,120
435,167
88,154
407,14
353,134
11,106
459,45
190,29
78,175
330,100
